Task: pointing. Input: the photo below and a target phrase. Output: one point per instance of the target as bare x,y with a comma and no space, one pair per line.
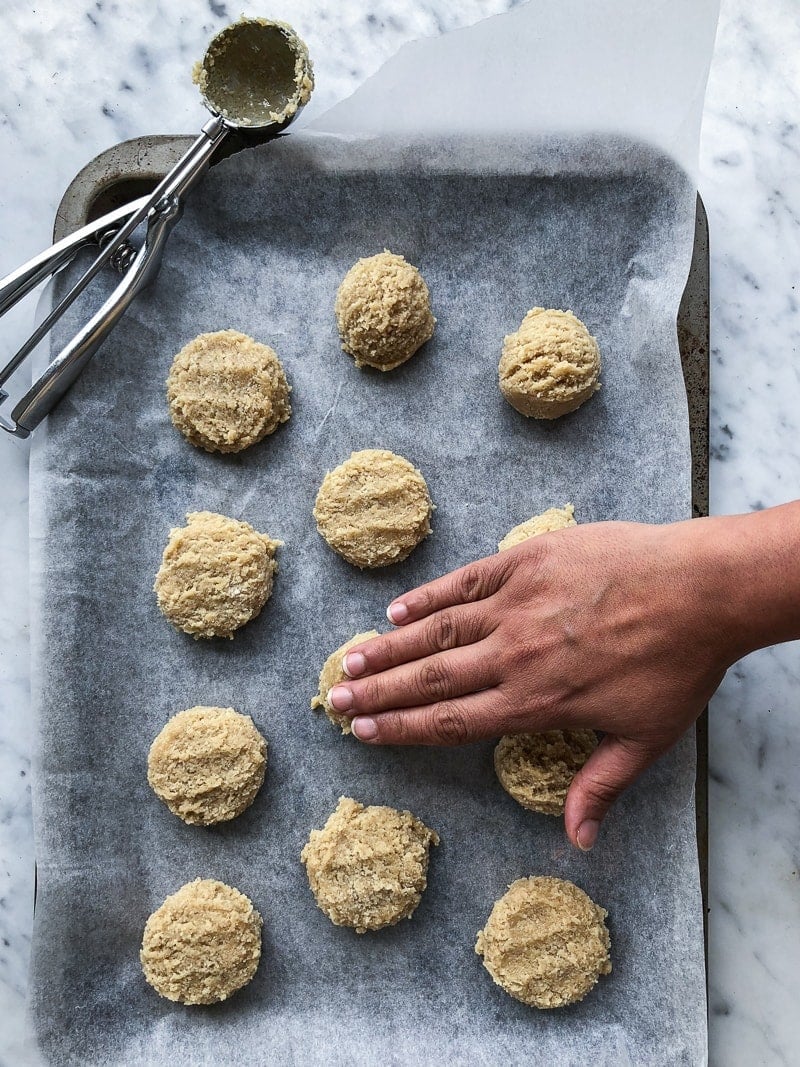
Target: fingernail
364,729
397,613
354,664
341,698
587,834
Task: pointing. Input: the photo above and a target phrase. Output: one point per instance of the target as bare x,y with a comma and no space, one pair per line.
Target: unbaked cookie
383,311
207,764
537,769
374,508
547,522
332,674
227,391
368,866
546,943
202,944
550,366
216,574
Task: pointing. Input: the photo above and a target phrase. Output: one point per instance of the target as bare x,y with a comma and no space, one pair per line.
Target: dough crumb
537,769
373,509
383,311
550,366
202,944
547,522
368,866
207,764
545,943
216,574
332,674
227,391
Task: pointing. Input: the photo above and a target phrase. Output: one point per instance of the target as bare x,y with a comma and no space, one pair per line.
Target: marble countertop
81,75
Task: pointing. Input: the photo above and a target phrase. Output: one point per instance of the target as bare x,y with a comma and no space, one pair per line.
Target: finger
425,681
476,581
615,764
447,629
450,722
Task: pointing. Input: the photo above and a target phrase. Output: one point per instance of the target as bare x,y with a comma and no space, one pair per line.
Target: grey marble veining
84,74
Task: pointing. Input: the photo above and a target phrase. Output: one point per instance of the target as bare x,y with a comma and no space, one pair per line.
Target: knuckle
434,680
442,631
601,789
379,652
450,724
471,583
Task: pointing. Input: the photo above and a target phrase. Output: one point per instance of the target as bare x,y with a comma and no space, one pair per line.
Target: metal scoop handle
162,209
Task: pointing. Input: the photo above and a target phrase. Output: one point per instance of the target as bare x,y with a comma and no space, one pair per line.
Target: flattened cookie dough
207,764
546,943
227,391
202,944
368,866
373,509
331,675
216,574
550,366
537,769
383,311
547,522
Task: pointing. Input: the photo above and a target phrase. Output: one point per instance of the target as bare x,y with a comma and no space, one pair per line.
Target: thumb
615,764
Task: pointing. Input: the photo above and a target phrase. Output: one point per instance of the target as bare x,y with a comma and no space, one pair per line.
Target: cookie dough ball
547,522
368,867
374,508
202,944
207,764
537,769
332,674
227,391
216,574
550,366
383,311
545,943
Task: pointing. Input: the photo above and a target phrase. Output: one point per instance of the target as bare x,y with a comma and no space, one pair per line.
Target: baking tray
133,168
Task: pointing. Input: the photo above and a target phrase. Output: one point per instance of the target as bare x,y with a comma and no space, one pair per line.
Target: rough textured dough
202,944
331,675
383,311
216,574
374,508
545,942
547,522
207,764
550,366
227,391
537,769
368,866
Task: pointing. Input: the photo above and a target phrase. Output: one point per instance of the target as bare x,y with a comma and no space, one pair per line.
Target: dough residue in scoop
207,764
545,943
227,391
216,574
383,311
373,509
537,769
550,366
202,944
332,674
547,522
368,866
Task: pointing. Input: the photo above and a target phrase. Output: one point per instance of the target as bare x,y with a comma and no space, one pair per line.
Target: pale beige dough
383,311
216,574
227,391
550,366
374,508
207,764
332,674
545,943
537,769
547,522
202,944
368,866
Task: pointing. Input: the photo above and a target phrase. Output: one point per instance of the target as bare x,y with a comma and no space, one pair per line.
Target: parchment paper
601,226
